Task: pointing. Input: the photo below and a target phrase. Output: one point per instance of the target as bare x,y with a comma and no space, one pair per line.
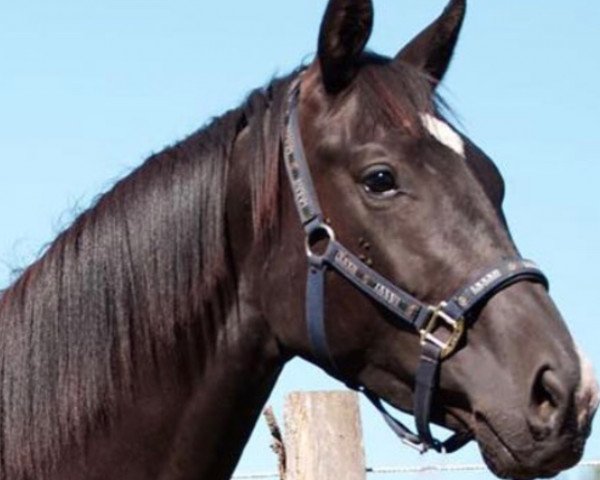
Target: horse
145,341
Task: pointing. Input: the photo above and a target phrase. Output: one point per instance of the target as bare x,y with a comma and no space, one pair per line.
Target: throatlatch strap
401,430
454,443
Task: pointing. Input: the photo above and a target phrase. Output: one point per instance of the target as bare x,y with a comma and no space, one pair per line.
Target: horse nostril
546,400
546,390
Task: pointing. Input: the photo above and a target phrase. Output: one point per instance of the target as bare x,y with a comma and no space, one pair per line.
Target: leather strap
454,443
315,295
488,284
405,307
426,380
303,189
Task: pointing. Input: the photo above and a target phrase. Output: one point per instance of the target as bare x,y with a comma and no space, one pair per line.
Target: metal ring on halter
321,232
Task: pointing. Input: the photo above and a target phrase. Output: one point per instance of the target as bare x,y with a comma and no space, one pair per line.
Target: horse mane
126,282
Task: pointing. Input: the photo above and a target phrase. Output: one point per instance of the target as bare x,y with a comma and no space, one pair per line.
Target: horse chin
506,460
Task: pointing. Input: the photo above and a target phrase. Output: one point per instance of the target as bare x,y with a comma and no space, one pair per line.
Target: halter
449,317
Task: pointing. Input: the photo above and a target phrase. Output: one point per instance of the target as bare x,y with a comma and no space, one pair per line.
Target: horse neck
226,403
177,430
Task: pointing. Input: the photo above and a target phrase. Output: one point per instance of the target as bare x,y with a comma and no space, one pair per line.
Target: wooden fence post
323,437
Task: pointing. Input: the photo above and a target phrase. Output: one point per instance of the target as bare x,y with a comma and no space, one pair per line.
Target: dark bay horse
146,340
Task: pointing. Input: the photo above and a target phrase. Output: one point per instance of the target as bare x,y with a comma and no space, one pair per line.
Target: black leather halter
449,318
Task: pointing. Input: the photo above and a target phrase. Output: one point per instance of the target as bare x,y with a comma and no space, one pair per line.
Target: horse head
418,202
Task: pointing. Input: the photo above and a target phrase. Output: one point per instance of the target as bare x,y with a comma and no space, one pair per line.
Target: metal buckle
457,326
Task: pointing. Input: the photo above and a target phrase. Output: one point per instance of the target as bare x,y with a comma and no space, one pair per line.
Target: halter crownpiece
450,316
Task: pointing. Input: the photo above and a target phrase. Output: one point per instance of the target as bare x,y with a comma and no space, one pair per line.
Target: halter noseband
425,319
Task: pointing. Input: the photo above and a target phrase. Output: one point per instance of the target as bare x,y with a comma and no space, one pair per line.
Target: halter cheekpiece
428,321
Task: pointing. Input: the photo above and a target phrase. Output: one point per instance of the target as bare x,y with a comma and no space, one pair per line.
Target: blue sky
90,89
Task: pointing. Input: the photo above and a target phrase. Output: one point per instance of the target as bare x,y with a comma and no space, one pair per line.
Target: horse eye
380,182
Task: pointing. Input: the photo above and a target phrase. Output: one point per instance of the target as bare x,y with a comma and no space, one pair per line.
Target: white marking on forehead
444,133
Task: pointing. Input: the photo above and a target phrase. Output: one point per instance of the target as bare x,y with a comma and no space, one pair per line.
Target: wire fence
473,467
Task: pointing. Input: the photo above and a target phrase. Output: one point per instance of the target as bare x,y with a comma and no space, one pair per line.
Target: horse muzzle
551,436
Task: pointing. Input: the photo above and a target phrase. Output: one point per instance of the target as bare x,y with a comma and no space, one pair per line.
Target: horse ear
345,30
431,51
